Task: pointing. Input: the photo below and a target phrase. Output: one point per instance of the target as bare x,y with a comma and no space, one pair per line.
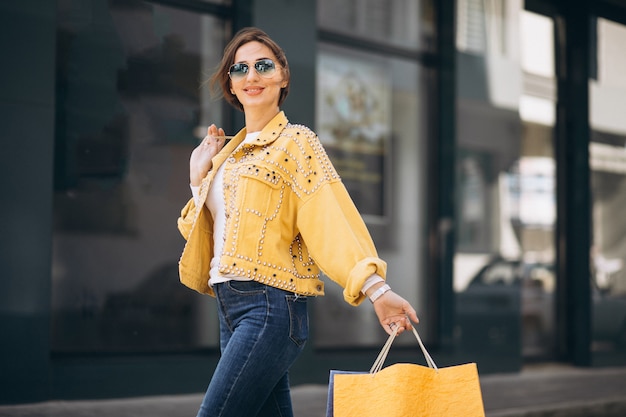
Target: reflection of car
521,291
510,287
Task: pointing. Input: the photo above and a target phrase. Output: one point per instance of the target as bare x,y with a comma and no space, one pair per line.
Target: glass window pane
607,153
370,118
506,206
129,111
396,23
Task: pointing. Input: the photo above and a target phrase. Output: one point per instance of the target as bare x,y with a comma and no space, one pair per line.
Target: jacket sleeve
185,221
338,240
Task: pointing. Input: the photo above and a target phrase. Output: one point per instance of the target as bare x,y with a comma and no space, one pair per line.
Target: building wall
27,108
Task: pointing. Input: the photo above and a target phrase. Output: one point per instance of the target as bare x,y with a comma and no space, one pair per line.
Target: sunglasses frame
239,75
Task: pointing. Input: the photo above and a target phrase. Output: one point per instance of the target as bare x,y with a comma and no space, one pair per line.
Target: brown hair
246,35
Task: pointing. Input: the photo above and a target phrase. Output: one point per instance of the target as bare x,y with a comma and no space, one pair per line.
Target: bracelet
376,294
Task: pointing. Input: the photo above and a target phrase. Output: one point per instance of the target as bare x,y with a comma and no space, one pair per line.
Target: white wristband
376,294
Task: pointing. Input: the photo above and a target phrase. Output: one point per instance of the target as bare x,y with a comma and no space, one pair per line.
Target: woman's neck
257,120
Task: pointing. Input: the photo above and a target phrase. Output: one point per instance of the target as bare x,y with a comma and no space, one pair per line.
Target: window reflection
504,264
128,105
607,153
369,116
388,195
396,23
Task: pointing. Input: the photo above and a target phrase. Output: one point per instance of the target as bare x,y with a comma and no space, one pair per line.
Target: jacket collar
270,132
268,135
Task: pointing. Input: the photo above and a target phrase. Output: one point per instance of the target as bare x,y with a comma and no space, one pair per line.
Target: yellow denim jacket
288,215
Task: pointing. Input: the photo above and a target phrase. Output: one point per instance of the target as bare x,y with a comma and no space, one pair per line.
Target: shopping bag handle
380,360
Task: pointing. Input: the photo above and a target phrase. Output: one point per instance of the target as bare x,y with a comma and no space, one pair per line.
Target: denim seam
291,308
277,404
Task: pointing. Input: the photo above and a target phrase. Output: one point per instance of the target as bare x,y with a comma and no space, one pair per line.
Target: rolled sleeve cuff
373,279
359,275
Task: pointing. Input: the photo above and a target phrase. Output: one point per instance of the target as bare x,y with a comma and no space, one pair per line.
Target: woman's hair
246,35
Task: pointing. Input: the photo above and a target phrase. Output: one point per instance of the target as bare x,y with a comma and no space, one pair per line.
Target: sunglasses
263,67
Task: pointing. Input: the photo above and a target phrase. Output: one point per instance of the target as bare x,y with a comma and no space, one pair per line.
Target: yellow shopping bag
406,390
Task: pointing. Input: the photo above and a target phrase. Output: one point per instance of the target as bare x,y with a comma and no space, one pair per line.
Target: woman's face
255,90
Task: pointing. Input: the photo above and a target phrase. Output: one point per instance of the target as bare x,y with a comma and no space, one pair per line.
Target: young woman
268,213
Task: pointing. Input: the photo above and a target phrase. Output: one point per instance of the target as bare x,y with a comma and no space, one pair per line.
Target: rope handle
380,360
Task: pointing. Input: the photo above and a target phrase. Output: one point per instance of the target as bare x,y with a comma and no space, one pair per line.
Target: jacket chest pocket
260,200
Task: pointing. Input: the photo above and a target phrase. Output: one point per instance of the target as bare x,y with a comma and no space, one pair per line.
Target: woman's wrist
378,291
195,178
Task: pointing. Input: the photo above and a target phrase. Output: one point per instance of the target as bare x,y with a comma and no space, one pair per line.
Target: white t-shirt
215,204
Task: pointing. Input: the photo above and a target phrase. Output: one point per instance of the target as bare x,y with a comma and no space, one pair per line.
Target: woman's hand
200,161
391,308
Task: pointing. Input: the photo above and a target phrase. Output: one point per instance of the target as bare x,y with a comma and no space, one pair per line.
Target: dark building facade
483,142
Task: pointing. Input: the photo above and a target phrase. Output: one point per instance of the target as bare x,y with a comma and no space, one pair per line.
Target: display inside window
129,104
354,124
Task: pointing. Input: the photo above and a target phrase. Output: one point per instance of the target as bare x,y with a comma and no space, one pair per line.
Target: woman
269,212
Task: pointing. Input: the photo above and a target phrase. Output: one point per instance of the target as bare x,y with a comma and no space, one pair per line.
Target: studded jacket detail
288,216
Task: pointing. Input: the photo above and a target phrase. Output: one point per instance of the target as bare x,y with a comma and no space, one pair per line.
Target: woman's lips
253,90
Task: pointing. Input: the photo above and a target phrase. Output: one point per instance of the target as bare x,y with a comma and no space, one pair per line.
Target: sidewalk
556,391
543,392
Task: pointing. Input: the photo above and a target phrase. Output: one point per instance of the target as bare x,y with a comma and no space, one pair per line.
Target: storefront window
504,273
607,153
130,108
370,118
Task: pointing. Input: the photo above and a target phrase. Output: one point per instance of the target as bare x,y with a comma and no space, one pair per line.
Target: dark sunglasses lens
238,70
265,66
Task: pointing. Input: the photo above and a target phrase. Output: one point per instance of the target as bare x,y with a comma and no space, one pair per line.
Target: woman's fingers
214,136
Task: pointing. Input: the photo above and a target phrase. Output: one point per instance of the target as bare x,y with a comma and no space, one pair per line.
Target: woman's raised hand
200,161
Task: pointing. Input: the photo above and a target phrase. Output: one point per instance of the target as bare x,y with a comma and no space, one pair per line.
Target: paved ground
544,392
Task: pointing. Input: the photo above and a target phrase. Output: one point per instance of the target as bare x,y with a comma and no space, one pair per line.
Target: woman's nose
252,74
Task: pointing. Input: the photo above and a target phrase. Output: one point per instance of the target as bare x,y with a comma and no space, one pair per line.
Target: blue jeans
262,332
